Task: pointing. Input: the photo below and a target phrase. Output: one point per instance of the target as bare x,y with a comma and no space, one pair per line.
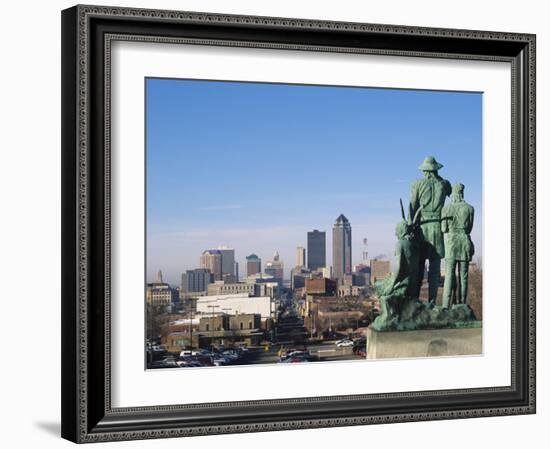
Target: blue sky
255,166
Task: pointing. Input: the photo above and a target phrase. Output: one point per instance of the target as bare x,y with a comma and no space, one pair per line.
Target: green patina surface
420,238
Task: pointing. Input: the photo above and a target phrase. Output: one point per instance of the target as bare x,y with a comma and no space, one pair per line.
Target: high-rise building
341,248
300,256
211,259
253,265
275,268
379,270
196,281
316,249
159,293
228,259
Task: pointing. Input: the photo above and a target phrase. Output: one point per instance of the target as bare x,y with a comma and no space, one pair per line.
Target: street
319,352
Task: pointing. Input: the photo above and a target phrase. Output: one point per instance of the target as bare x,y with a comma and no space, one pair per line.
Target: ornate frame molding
87,420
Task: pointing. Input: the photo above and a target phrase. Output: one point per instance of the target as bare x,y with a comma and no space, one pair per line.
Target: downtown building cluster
215,304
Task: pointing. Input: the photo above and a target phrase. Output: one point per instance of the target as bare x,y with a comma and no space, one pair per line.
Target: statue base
423,343
404,313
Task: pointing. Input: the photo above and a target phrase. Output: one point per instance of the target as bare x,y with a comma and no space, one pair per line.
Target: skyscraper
228,260
211,259
341,248
197,280
253,265
275,268
316,249
300,256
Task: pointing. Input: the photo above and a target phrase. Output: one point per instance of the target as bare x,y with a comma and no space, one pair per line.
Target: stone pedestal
423,343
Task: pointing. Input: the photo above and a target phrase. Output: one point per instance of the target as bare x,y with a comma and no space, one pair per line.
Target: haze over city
256,166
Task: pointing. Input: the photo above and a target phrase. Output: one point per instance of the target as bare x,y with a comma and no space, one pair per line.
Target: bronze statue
420,238
428,196
457,220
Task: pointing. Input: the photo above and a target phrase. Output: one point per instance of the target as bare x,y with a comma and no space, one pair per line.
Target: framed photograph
274,223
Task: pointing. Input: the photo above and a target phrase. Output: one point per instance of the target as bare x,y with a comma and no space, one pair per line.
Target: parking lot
318,352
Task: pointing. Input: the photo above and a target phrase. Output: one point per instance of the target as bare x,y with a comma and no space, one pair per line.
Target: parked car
231,354
344,343
285,353
295,359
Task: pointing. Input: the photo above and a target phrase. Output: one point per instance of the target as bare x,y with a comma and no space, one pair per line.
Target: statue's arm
448,188
470,221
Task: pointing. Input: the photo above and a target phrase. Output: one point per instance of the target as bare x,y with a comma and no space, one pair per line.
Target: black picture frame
87,415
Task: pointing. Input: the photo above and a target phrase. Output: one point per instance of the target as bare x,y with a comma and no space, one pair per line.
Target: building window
241,325
250,324
207,327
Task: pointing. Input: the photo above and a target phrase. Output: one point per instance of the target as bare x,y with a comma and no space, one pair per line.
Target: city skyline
289,264
213,178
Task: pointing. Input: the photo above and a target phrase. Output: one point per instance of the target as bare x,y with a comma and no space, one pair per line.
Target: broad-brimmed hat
430,164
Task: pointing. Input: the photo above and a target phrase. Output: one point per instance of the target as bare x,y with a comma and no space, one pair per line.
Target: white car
344,343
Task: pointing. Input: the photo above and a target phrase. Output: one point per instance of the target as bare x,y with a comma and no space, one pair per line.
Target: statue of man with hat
428,196
457,220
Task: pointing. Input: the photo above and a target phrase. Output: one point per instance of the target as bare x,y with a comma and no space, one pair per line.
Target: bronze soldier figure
428,195
457,220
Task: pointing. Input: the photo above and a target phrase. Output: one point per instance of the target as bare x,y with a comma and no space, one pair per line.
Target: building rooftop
212,251
342,219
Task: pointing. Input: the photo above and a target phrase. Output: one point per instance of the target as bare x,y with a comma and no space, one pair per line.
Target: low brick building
231,330
323,286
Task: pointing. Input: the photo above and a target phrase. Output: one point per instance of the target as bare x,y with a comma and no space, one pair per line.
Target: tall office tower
253,265
159,277
196,280
341,248
316,249
300,256
275,268
236,271
228,260
211,259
